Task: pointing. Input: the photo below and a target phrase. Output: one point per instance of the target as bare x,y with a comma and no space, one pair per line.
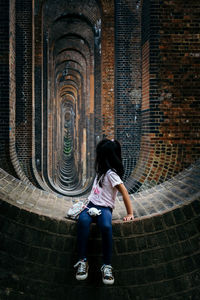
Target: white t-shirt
105,195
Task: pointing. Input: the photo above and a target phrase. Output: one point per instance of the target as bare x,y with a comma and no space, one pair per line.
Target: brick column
107,69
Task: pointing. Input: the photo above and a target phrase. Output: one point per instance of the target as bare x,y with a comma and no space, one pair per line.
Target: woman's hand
129,217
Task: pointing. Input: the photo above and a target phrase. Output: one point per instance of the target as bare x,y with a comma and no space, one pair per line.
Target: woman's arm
122,189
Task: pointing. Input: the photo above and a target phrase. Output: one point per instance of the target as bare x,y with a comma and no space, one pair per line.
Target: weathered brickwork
154,257
170,104
5,161
138,83
71,73
107,72
67,46
128,80
23,48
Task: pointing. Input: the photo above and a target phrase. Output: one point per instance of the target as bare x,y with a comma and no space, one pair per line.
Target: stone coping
180,190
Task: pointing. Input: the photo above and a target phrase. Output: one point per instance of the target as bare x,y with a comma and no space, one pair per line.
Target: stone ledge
178,191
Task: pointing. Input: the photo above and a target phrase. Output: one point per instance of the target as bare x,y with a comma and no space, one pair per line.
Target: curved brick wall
155,257
140,60
133,74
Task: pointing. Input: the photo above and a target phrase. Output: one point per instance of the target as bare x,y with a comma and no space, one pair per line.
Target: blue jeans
104,221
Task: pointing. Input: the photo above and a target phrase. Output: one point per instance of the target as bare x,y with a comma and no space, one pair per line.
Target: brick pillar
24,84
107,69
170,90
6,53
128,80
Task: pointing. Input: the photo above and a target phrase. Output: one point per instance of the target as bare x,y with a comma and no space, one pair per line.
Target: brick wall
142,74
107,69
24,84
128,80
170,104
5,161
154,257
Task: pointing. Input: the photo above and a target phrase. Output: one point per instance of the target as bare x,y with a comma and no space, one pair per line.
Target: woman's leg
84,222
104,221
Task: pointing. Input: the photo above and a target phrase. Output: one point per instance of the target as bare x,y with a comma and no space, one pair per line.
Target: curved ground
155,257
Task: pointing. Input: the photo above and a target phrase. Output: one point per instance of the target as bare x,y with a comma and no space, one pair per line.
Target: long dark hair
108,156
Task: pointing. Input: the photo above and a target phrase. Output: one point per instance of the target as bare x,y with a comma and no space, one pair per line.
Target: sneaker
107,275
82,272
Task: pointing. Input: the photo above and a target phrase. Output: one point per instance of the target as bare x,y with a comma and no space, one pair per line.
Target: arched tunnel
73,72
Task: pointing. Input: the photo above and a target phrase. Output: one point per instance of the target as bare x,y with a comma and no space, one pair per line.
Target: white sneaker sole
81,277
105,281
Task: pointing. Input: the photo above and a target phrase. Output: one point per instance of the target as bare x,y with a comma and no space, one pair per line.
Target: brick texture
154,257
5,161
71,73
170,103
